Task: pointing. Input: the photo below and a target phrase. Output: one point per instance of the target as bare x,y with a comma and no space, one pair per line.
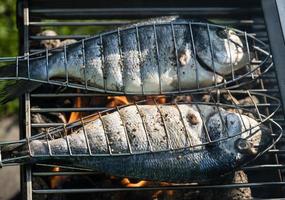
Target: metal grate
242,15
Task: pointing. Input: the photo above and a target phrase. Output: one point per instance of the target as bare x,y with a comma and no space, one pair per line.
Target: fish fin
15,88
12,87
15,85
8,71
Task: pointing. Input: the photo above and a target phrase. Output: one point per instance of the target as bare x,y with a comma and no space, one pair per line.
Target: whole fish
167,54
177,143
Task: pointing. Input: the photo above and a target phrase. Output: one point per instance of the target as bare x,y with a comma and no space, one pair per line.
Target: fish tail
8,71
13,153
14,85
14,89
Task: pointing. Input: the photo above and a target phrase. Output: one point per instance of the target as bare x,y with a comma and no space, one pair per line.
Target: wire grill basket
251,46
256,110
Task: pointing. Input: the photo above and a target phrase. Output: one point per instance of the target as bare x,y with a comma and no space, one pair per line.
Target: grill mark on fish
131,67
74,61
98,144
121,64
183,43
112,62
176,133
103,62
149,65
94,65
167,59
134,127
154,126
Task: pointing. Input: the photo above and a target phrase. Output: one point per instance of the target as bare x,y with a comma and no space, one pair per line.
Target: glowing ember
56,181
76,115
114,101
127,183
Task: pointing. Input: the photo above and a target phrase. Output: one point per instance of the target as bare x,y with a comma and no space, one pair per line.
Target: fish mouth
255,144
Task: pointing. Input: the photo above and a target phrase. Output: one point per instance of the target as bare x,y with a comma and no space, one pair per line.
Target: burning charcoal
51,43
233,101
234,193
67,42
221,194
41,118
249,100
39,183
206,98
184,99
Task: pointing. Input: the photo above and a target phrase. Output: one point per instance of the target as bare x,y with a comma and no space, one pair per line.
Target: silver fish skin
149,57
156,143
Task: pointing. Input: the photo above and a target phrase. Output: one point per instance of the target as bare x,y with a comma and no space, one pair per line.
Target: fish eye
222,33
244,146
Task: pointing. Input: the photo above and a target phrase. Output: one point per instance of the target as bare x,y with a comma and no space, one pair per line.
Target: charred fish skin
164,142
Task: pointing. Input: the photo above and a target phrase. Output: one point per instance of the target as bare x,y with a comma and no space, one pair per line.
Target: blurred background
9,177
8,45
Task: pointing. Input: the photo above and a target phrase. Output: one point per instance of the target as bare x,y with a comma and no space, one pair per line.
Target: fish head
221,49
230,50
238,135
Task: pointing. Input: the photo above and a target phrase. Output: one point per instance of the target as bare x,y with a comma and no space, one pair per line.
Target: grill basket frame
30,13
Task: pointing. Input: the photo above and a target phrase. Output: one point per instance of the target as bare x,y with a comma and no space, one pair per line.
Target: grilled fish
177,143
167,54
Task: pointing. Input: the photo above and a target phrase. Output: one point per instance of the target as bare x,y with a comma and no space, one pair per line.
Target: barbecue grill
255,17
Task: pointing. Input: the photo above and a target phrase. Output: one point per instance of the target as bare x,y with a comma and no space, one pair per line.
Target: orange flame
157,99
56,181
76,115
114,101
127,183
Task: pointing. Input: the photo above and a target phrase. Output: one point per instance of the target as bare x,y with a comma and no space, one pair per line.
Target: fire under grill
47,108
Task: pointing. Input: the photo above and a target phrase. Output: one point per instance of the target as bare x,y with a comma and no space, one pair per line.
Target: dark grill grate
243,15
